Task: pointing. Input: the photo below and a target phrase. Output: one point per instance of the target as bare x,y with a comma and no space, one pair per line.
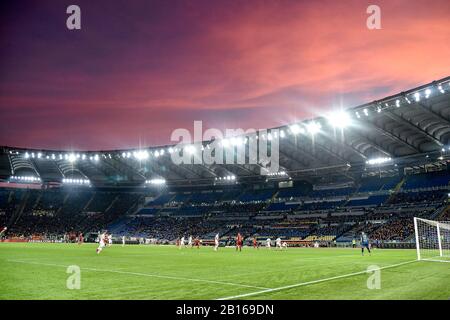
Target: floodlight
296,129
313,127
339,119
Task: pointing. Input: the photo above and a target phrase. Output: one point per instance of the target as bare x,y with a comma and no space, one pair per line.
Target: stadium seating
373,184
427,180
369,201
320,215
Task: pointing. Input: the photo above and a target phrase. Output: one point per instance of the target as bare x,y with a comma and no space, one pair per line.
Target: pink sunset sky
137,70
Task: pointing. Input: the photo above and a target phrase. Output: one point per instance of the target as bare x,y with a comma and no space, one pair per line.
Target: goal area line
435,259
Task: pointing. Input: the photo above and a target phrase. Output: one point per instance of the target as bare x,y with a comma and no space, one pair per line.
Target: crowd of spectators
397,229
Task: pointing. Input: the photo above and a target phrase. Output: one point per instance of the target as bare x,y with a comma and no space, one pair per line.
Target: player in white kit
182,243
190,242
284,245
123,241
278,243
216,242
268,243
102,239
109,240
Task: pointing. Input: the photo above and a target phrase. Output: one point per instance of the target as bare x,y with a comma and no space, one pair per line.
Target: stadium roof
406,129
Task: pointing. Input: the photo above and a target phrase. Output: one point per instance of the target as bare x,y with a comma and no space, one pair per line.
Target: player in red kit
239,240
197,243
255,244
80,238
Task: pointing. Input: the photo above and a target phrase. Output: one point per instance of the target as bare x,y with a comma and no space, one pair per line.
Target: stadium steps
439,213
134,208
66,197
89,202
10,197
138,207
18,212
229,231
111,204
38,200
396,190
344,231
275,195
157,213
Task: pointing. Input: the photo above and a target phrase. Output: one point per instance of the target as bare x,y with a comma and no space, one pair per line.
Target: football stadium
227,231
129,169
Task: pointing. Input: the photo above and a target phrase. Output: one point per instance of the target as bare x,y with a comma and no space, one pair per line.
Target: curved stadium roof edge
407,130
377,103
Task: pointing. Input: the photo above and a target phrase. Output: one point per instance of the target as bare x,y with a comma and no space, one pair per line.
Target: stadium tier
166,216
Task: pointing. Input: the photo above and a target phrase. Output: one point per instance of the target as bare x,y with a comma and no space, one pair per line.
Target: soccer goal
432,240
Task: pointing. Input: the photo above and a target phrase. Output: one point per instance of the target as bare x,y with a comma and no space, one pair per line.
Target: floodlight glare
72,157
225,143
296,129
189,149
339,119
156,181
378,161
313,127
417,96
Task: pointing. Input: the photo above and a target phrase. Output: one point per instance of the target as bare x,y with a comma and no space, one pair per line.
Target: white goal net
432,240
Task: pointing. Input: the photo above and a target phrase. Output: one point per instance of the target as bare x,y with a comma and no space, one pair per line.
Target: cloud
136,72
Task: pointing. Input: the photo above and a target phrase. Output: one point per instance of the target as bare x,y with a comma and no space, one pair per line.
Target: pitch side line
143,274
310,282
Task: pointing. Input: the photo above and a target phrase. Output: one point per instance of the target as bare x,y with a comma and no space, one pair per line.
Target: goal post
432,240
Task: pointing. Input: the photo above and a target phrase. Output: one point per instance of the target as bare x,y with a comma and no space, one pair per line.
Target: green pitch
38,271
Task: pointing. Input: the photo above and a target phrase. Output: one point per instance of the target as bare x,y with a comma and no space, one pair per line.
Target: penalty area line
310,282
143,274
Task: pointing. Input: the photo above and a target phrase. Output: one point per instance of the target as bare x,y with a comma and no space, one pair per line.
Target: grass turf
38,271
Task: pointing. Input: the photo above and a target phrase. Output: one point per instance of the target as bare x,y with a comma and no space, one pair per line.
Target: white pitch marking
310,282
435,260
143,274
